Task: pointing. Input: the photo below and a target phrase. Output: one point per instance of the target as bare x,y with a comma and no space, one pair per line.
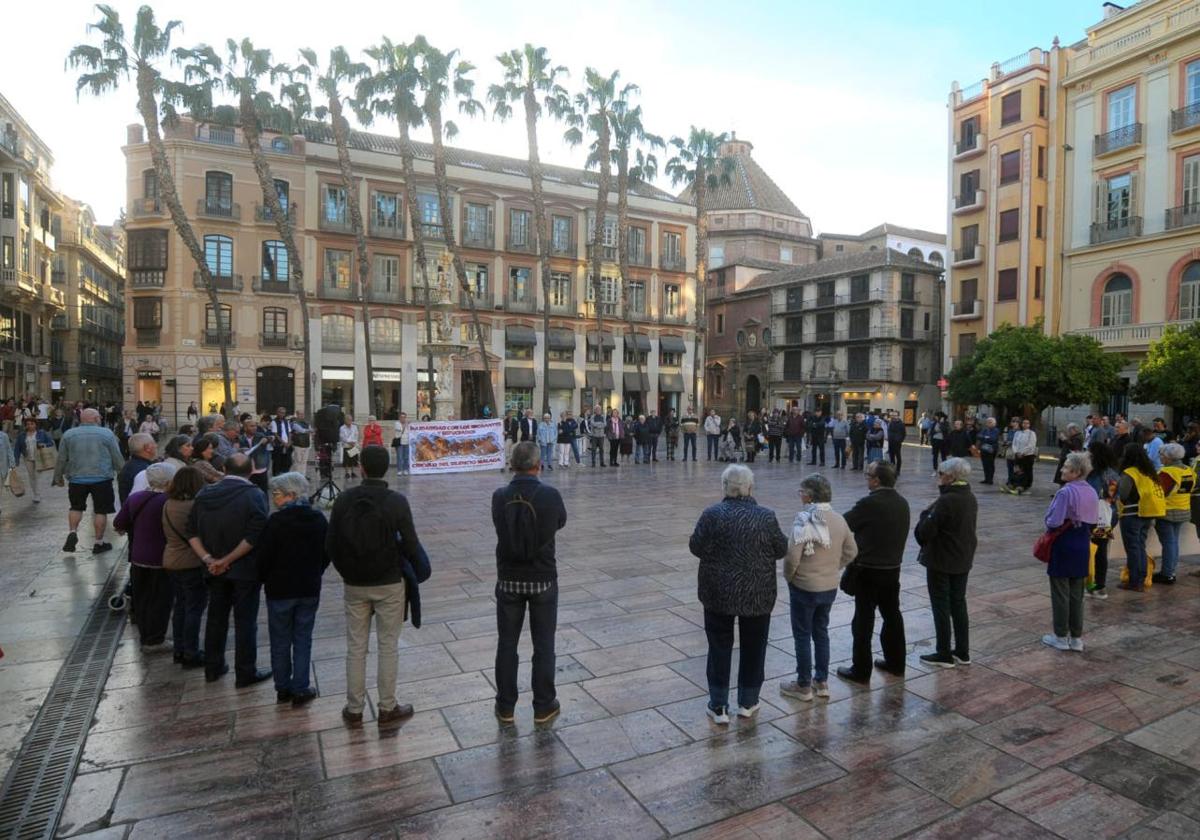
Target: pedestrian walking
88,458
1073,513
29,452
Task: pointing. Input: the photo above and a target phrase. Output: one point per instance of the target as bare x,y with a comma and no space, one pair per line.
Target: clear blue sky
845,102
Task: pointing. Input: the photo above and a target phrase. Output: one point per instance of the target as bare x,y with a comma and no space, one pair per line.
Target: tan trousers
386,603
32,470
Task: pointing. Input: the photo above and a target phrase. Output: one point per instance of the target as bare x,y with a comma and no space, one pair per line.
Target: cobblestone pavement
1026,742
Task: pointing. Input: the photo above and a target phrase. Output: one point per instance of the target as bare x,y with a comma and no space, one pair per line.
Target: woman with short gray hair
1178,481
821,545
1073,513
738,542
141,518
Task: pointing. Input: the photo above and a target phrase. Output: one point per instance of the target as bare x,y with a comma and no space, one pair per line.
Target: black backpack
371,540
520,519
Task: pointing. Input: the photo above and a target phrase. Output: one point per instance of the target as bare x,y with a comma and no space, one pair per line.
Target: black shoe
938,660
303,698
213,676
504,715
547,715
189,663
100,548
257,677
1159,577
850,675
283,697
882,665
178,658
72,541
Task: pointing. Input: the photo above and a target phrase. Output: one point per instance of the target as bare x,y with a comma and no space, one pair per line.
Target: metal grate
35,792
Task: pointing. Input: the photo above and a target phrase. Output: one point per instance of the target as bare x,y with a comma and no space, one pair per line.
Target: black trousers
614,449
281,461
543,620
856,455
151,603
896,454
240,597
878,589
187,611
818,446
989,466
752,656
774,448
839,453
948,600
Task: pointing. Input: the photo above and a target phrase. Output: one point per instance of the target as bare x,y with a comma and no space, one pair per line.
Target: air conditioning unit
295,342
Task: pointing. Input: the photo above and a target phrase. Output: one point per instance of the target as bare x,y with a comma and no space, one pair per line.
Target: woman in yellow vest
1140,501
1178,482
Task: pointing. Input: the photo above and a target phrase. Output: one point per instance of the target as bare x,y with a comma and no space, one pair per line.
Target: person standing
925,425
858,442
1178,482
880,523
1103,479
141,517
575,429
595,432
193,413
512,430
654,428
839,430
528,427
671,431
370,539
876,435
300,437
184,570
896,433
816,437
1024,449
255,441
142,453
1154,444
8,462
547,436
372,433
939,435
1073,509
29,442
794,431
1070,441
712,431
689,425
751,434
989,444
738,542
946,534
958,442
280,429
527,515
400,442
348,444
614,432
88,458
776,427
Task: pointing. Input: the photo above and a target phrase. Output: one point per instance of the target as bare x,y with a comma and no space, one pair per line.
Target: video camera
326,423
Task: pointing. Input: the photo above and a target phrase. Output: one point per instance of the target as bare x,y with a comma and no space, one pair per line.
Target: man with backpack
527,515
370,539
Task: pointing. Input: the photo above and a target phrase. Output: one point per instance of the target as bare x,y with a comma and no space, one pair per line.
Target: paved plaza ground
1027,742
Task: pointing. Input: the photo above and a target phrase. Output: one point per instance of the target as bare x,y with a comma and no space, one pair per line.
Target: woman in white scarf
821,545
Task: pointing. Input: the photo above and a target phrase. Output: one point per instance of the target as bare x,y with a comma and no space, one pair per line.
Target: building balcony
270,286
483,300
433,231
1129,336
525,304
52,297
102,331
607,310
147,208
212,338
148,336
520,244
964,257
1181,217
608,253
147,278
969,202
386,345
99,370
229,210
337,343
639,258
262,214
336,223
222,283
479,236
969,147
869,373
1116,229
45,237
386,228
672,262
273,340
673,318
1185,118
1117,139
218,135
966,310
563,247
329,290
789,339
59,322
17,283
565,308
380,294
641,316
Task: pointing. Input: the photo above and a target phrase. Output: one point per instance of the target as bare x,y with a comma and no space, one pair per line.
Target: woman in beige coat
821,545
183,568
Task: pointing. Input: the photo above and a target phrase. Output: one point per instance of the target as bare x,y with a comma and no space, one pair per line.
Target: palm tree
627,133
115,60
391,92
530,79
444,80
698,162
339,71
591,113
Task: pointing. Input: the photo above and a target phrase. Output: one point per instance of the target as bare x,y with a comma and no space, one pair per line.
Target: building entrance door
753,395
472,388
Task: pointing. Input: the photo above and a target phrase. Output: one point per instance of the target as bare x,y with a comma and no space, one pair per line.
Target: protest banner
445,446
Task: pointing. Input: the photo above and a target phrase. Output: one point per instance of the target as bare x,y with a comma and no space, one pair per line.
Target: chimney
1112,10
134,134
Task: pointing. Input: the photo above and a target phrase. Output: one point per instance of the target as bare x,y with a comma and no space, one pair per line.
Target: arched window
274,261
218,193
337,332
935,257
218,253
1189,293
385,333
1116,305
915,253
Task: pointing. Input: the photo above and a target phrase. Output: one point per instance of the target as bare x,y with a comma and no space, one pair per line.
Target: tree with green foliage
1021,369
1170,373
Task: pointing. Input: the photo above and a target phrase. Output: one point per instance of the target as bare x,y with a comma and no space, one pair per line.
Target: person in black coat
896,433
528,427
291,561
750,435
858,441
816,437
654,425
946,534
958,442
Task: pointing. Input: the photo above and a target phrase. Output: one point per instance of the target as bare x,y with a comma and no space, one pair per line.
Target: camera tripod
328,489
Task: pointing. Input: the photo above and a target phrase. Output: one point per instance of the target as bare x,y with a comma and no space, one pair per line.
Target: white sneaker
1076,644
744,712
718,715
1056,642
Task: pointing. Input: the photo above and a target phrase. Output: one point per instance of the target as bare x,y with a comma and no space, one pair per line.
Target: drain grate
35,792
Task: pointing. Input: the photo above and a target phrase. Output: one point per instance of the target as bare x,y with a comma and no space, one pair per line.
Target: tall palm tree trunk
541,235
460,270
283,225
418,234
602,184
341,136
701,284
148,108
623,263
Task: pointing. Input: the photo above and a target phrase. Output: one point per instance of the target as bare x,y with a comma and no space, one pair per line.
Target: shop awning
640,340
594,380
515,377
521,336
633,384
609,341
672,383
561,340
561,380
671,344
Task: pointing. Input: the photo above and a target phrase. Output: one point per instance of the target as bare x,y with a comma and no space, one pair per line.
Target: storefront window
518,399
386,396
212,390
337,388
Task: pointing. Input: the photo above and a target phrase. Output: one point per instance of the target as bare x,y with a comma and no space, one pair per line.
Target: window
519,288
8,252
469,333
906,322
8,201
479,228
637,246
561,355
968,130
1037,282
1041,162
1041,100
147,313
282,192
218,193
430,212
908,286
519,234
150,185
385,211
718,382
608,293
825,294
825,326
720,330
969,290
766,337
337,331
839,248
333,204
860,287
860,323
635,291
210,318
1116,304
668,359
1010,225
593,354
908,365
1121,107
1118,199
1010,167
1038,218
560,234
274,261
560,289
671,301
966,344
642,356
385,332
928,321
519,352
793,365
1191,87
858,363
1010,108
275,321
477,280
716,256
915,253
1189,293
793,330
337,268
147,249
785,254
740,338
1006,284
218,253
387,273
1191,183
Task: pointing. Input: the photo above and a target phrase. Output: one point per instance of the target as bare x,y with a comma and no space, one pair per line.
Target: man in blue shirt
88,458
1153,443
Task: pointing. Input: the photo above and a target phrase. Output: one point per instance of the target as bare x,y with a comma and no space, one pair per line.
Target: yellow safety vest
1185,484
1151,502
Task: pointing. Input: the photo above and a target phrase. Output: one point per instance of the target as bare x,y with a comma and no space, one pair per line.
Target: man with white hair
142,453
88,458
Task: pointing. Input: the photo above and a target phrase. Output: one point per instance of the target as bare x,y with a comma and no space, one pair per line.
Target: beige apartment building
172,327
28,298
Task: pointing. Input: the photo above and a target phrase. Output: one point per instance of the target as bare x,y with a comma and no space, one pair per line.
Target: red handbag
1044,546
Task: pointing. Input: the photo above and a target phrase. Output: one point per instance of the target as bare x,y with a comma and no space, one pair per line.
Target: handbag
46,458
1044,547
849,582
14,483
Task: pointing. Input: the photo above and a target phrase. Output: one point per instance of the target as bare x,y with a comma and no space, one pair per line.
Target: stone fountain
445,344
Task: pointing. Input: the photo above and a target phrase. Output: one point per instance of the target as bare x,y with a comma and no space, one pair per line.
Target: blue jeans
543,622
290,622
810,631
1133,536
689,439
575,449
191,597
647,450
547,455
794,448
401,459
752,657
714,441
1168,536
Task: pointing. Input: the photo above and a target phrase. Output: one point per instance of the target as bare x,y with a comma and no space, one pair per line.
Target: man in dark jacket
879,521
896,432
370,537
816,437
529,426
654,427
224,527
794,432
858,441
946,534
527,514
958,442
142,452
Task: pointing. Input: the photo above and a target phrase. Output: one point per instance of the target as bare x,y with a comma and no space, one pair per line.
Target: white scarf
810,528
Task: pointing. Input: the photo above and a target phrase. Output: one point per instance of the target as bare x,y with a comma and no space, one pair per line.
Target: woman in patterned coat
738,542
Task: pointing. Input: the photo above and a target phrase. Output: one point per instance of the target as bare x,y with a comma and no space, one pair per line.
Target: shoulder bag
1044,547
46,458
849,583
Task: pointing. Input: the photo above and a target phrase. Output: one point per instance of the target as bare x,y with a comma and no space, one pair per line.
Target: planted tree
1170,373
